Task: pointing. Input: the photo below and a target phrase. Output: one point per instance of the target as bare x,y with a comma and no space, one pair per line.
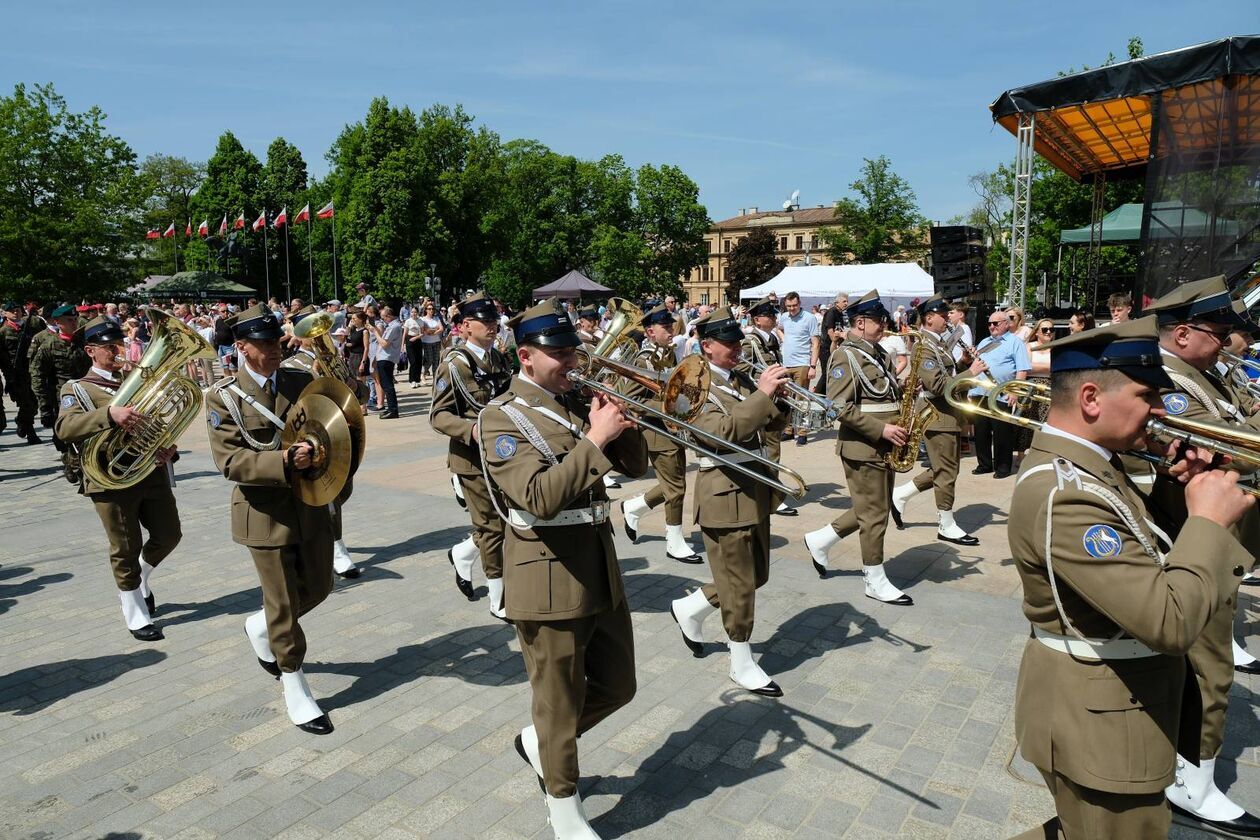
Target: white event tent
898,283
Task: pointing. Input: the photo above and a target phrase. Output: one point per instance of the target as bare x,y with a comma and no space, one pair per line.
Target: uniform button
594,471
1229,602
1238,571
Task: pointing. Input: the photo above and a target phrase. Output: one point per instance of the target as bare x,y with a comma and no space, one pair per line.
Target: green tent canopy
1123,226
198,284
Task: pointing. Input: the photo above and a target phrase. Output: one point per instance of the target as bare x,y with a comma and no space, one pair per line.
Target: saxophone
902,458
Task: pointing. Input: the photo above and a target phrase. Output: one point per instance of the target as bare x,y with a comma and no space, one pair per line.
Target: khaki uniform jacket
740,413
75,424
861,430
53,363
656,443
451,414
17,342
304,360
936,368
265,511
552,573
1111,725
758,348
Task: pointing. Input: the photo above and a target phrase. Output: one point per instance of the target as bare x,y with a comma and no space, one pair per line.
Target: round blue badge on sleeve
1176,403
67,401
505,446
929,364
215,419
837,372
1102,541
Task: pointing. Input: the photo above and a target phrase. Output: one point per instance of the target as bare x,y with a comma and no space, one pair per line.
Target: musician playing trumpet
762,346
85,411
862,383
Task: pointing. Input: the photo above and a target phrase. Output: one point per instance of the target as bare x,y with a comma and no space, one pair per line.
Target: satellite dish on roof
792,200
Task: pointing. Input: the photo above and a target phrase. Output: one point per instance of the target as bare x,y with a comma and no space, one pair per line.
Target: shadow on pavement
418,544
827,494
652,592
475,655
974,517
821,629
22,694
238,603
10,592
693,764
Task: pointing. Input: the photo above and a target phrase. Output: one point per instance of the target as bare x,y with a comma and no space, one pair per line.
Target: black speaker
953,289
956,253
957,271
956,235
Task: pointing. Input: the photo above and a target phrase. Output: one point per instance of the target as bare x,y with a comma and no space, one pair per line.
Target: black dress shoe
464,586
981,471
630,532
319,726
270,667
896,517
32,438
696,648
787,512
770,690
691,559
150,603
963,540
148,633
1002,474
903,601
387,415
520,750
350,574
1244,826
1249,668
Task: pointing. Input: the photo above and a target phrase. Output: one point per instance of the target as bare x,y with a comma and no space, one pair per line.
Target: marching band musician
668,457
85,411
546,451
468,377
944,437
732,509
1194,320
56,357
1103,674
762,345
289,540
861,383
588,327
304,360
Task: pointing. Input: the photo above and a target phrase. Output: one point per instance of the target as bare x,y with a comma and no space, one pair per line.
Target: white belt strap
706,463
1093,649
548,413
596,514
257,406
879,407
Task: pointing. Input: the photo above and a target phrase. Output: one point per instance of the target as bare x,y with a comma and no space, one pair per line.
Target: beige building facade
796,232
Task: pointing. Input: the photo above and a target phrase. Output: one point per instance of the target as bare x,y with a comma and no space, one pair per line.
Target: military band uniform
764,347
467,379
669,459
563,586
55,360
149,504
16,335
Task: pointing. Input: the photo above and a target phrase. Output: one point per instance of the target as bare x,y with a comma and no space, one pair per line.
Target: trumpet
809,410
683,393
1241,445
1235,364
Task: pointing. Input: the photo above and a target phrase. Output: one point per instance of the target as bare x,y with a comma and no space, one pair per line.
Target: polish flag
203,229
239,224
280,220
169,233
223,225
260,222
188,230
153,234
325,212
304,215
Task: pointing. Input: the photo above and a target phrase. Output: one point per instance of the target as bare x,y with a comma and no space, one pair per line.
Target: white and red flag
260,222
223,225
169,233
153,234
304,215
239,224
281,219
203,229
325,212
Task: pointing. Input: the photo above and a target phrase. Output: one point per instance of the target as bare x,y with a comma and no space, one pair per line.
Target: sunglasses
1219,336
1045,329
996,323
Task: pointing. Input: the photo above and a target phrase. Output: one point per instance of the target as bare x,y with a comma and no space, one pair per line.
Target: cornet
810,411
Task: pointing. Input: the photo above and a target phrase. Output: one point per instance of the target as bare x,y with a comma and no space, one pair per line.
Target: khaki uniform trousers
671,483
295,579
487,526
942,449
870,488
123,512
1212,660
740,561
581,670
1086,814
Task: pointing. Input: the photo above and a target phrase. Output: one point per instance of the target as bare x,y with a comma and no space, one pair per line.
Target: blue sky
752,100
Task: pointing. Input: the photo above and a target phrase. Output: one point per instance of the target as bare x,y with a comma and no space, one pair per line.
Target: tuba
317,329
159,390
902,458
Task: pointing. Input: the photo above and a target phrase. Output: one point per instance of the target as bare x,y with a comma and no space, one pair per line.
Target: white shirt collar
765,335
724,375
524,376
258,378
476,351
1088,444
112,376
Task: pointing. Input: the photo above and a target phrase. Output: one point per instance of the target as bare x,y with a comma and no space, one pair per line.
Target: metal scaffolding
1096,212
1021,208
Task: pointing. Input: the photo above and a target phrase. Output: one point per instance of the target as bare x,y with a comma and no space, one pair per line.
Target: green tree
171,183
752,261
232,186
284,187
71,200
673,223
882,224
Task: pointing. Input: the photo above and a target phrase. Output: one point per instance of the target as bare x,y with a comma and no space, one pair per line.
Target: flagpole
266,261
310,266
288,287
336,288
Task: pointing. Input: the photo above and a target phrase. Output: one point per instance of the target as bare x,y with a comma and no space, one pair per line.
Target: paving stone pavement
896,722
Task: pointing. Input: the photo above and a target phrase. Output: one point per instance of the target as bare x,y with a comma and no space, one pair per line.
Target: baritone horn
683,393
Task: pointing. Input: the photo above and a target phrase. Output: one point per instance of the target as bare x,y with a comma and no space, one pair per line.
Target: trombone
815,411
683,393
1240,445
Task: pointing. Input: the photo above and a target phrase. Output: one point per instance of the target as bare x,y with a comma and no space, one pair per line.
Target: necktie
268,388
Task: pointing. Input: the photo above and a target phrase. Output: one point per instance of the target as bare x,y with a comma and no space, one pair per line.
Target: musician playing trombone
861,382
668,457
761,346
732,508
943,438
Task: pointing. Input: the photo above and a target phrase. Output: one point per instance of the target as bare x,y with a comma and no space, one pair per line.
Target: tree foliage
752,261
881,224
71,200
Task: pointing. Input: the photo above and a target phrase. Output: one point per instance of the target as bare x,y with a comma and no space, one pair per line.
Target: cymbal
345,399
317,420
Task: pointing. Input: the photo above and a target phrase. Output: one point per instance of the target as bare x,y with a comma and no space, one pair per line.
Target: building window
782,243
711,243
813,242
800,242
704,298
726,246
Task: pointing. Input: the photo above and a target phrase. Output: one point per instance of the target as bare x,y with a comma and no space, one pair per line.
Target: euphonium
317,329
616,344
159,390
902,458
